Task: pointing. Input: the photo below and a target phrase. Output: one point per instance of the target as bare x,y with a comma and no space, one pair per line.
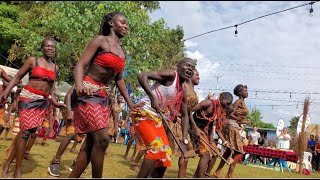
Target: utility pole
216,94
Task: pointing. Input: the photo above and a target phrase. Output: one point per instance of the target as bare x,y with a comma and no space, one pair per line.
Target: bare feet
126,157
132,159
135,167
216,175
74,151
28,156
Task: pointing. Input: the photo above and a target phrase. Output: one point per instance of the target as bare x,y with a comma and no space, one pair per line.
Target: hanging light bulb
236,31
272,107
311,9
297,106
256,93
290,95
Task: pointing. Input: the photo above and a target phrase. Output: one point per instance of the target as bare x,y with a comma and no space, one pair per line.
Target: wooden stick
218,154
184,151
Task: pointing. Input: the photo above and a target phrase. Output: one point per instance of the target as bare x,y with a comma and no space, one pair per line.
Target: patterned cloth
111,126
203,146
45,123
230,131
139,142
91,112
10,122
33,107
272,153
177,130
149,127
16,126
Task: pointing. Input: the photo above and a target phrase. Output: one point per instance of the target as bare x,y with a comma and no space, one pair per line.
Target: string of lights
245,76
254,19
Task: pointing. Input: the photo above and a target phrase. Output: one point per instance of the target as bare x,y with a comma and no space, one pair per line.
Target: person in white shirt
283,139
255,135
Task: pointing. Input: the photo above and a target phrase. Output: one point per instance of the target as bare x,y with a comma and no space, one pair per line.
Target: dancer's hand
155,104
135,107
83,91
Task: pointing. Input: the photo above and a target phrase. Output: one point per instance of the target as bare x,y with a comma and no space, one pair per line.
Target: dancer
231,130
113,117
192,100
165,95
34,99
207,113
5,125
13,108
90,98
54,169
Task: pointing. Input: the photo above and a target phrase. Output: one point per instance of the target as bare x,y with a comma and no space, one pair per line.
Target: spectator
311,143
283,139
261,141
255,135
316,154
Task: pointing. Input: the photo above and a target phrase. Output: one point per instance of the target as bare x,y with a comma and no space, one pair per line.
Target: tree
292,128
149,46
255,118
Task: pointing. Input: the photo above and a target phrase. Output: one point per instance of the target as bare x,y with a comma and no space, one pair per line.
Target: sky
273,56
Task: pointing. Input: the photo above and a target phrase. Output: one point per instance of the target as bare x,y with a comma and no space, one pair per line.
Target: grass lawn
116,167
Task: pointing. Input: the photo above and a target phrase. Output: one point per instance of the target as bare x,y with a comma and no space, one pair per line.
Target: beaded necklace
173,105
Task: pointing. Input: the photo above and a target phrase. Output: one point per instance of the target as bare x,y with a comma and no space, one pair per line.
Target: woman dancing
35,98
90,97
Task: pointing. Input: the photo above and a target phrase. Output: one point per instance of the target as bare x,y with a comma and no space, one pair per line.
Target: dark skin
46,61
96,143
4,85
165,78
183,163
69,121
208,108
241,119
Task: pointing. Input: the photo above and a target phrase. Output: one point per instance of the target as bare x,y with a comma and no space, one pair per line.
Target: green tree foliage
292,128
255,118
149,46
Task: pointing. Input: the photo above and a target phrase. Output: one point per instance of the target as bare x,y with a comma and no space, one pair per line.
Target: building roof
264,129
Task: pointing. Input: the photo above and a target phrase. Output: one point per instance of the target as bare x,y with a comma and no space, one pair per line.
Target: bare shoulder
30,60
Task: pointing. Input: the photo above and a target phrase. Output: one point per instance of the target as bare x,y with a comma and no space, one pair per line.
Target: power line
268,65
237,25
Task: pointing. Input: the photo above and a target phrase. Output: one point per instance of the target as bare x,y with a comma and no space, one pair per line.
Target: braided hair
105,26
54,39
238,88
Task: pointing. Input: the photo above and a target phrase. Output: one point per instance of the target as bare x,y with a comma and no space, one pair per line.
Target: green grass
116,167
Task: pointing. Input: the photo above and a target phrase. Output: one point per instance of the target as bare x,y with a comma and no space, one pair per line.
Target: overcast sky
274,54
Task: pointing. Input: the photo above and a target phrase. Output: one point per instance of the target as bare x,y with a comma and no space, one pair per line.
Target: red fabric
132,130
36,91
110,60
55,130
42,73
156,136
271,153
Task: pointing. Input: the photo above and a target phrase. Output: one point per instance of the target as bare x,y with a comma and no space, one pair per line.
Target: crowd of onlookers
314,148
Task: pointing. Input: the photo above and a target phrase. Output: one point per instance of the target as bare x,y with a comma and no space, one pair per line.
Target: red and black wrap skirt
33,107
91,113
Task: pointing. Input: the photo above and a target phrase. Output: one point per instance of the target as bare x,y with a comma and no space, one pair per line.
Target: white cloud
266,55
189,44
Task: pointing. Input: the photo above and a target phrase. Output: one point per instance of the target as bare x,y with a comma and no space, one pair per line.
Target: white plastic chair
307,158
